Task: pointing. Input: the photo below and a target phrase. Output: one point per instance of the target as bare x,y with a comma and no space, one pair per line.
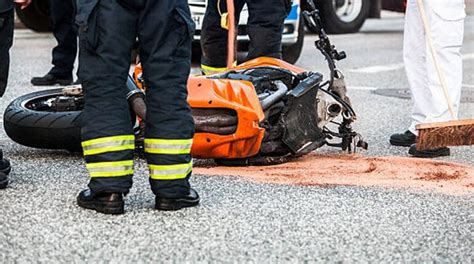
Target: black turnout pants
108,29
6,41
264,26
65,32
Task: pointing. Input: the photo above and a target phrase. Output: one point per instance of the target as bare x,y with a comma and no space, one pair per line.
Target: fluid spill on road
354,170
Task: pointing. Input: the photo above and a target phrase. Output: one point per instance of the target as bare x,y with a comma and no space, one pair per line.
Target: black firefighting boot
405,139
5,167
106,203
3,180
173,204
51,79
429,153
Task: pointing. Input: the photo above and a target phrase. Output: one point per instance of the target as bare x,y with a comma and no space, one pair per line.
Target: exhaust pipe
333,110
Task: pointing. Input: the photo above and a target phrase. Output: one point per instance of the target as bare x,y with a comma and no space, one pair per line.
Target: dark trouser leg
165,35
65,32
265,26
107,134
6,41
214,37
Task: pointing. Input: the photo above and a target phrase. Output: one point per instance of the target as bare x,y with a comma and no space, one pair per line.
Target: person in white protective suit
446,23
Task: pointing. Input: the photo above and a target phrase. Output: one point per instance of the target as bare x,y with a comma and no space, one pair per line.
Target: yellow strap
225,21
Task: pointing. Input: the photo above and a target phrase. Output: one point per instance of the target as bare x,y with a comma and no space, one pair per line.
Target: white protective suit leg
429,104
414,57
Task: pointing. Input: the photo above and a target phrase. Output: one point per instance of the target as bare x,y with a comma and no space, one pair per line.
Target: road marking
371,88
468,56
395,66
379,68
363,88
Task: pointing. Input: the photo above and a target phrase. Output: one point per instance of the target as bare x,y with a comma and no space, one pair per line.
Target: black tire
41,129
291,53
36,16
333,23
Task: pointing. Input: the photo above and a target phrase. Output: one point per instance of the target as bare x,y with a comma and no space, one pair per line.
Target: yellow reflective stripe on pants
110,168
170,172
168,146
108,144
208,70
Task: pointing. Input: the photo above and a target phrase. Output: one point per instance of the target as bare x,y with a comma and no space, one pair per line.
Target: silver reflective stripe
109,144
110,168
168,146
170,172
171,147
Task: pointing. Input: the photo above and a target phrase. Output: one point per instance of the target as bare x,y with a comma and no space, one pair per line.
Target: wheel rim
42,103
347,10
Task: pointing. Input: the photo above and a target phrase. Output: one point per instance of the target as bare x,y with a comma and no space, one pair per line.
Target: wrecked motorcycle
264,111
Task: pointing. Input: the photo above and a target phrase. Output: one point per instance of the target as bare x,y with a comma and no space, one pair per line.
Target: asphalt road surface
241,221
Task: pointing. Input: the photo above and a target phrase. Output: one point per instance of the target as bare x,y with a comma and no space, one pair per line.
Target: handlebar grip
341,55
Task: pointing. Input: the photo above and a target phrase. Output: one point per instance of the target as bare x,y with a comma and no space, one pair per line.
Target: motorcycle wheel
30,125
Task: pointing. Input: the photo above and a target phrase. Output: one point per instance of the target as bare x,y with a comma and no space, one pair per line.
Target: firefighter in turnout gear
265,29
64,54
107,32
6,40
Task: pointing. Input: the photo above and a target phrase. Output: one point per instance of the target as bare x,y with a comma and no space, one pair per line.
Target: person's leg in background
447,38
265,27
108,32
64,54
6,41
214,36
165,36
447,32
414,57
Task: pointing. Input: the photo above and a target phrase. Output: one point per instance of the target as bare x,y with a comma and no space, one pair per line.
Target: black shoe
3,180
5,166
106,203
405,140
168,204
429,153
50,79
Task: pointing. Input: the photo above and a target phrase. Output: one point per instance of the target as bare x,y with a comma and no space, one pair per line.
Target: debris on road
355,170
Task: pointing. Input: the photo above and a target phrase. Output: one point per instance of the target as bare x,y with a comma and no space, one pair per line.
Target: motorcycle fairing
239,96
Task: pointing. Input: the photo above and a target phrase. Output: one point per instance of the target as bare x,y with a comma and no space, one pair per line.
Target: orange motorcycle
264,111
